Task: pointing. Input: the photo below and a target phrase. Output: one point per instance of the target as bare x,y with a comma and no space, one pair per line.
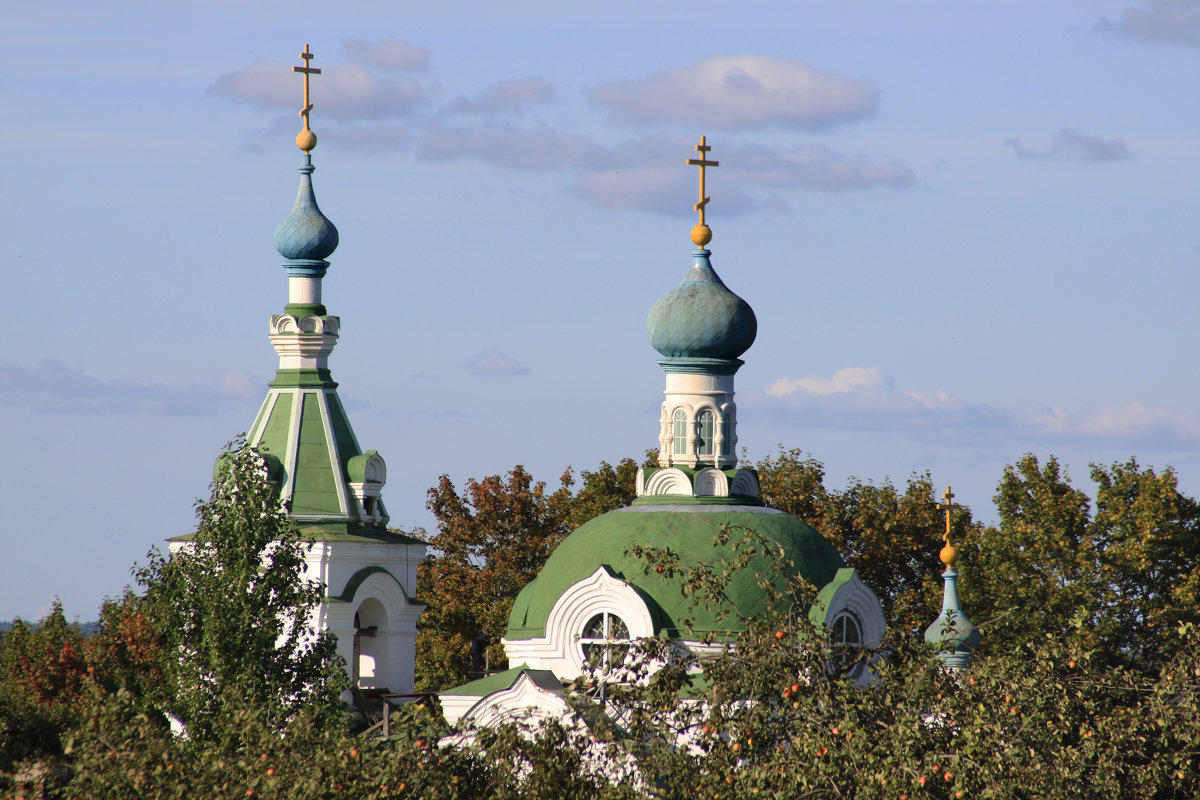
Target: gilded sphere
306,140
949,555
701,235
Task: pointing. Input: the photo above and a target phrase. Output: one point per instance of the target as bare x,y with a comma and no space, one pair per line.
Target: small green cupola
955,636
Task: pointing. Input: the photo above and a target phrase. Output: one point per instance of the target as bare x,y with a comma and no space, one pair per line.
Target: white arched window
680,425
846,636
604,641
846,630
706,432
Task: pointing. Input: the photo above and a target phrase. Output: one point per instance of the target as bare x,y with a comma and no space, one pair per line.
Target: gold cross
948,496
702,162
307,70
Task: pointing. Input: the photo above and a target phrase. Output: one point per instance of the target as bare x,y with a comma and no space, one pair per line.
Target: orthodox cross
702,162
948,496
307,70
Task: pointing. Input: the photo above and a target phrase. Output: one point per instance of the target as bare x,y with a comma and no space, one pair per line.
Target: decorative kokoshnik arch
560,650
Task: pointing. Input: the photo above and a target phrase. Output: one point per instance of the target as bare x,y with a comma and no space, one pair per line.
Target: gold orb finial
949,554
701,233
306,140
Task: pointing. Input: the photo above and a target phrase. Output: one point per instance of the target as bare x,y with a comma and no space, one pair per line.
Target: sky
968,231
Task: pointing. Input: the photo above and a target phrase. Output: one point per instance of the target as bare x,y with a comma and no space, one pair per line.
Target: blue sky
967,230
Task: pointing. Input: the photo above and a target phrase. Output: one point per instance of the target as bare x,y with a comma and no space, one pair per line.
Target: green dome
688,530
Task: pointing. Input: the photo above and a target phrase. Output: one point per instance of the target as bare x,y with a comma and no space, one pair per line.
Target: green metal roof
339,532
505,680
688,530
306,431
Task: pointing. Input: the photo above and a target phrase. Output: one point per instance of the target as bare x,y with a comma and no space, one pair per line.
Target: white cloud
1072,145
845,380
864,398
490,361
346,92
388,53
1157,22
1132,421
50,386
506,97
740,92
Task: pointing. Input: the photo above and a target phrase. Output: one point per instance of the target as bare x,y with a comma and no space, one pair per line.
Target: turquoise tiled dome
306,234
701,318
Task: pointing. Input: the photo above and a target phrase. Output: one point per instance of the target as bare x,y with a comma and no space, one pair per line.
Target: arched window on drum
680,433
705,421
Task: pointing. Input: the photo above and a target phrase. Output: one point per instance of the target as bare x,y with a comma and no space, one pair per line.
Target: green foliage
233,609
44,676
1089,686
1114,584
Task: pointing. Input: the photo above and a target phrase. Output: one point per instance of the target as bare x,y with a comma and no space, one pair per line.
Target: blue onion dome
701,318
307,234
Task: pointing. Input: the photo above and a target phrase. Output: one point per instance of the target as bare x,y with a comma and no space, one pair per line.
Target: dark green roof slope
486,685
687,530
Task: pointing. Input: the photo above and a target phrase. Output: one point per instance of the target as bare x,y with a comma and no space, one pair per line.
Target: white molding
393,646
668,481
524,701
559,649
856,597
293,442
335,458
260,421
745,483
711,482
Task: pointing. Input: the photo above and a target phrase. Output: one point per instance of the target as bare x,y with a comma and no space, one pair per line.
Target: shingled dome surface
688,530
701,318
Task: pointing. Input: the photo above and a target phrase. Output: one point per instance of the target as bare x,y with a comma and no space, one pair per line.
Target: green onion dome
701,318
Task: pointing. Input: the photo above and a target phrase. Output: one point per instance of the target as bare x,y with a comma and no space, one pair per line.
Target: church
593,594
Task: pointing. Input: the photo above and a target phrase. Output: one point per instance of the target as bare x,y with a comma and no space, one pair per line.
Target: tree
1148,537
1052,710
44,680
1114,584
1036,572
234,610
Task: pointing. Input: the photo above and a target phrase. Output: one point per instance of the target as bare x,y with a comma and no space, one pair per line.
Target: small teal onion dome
701,318
306,234
955,636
